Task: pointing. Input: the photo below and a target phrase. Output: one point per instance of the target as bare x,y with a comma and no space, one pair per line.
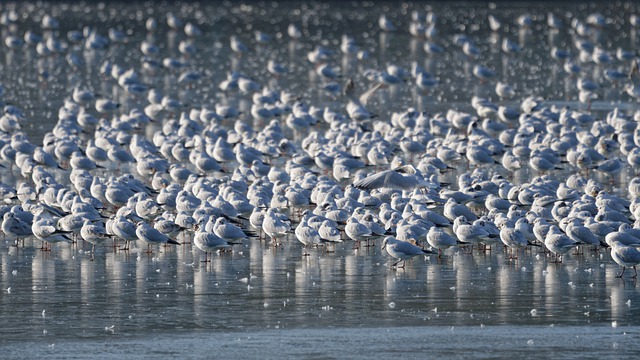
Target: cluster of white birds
151,167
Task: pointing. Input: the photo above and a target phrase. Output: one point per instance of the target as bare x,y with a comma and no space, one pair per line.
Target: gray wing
387,179
20,228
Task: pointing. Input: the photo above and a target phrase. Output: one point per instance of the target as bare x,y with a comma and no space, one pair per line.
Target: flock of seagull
324,175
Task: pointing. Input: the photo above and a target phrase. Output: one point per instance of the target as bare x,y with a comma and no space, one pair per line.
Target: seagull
93,234
152,236
45,230
440,240
625,256
512,238
356,231
14,227
229,232
470,233
558,243
209,242
452,210
276,225
405,177
306,234
124,229
402,250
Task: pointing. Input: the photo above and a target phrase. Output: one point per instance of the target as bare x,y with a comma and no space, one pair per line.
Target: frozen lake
264,301
260,300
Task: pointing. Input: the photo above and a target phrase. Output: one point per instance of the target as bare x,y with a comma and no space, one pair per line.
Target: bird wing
408,248
364,98
387,179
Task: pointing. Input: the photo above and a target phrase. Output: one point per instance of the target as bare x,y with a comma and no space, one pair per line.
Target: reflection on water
258,287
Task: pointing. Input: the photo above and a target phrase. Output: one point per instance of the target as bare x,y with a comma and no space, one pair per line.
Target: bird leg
149,250
620,275
635,272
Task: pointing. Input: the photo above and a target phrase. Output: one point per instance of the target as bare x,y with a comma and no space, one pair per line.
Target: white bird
93,234
558,243
440,240
229,232
512,238
452,210
470,233
44,229
385,24
152,236
14,227
209,242
329,233
625,256
105,106
306,234
356,231
124,229
402,250
275,225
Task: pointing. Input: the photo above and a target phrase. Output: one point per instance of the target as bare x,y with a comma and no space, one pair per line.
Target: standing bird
440,240
276,225
512,238
229,232
306,234
93,234
152,236
356,231
15,228
209,242
625,256
125,230
558,243
402,250
45,230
